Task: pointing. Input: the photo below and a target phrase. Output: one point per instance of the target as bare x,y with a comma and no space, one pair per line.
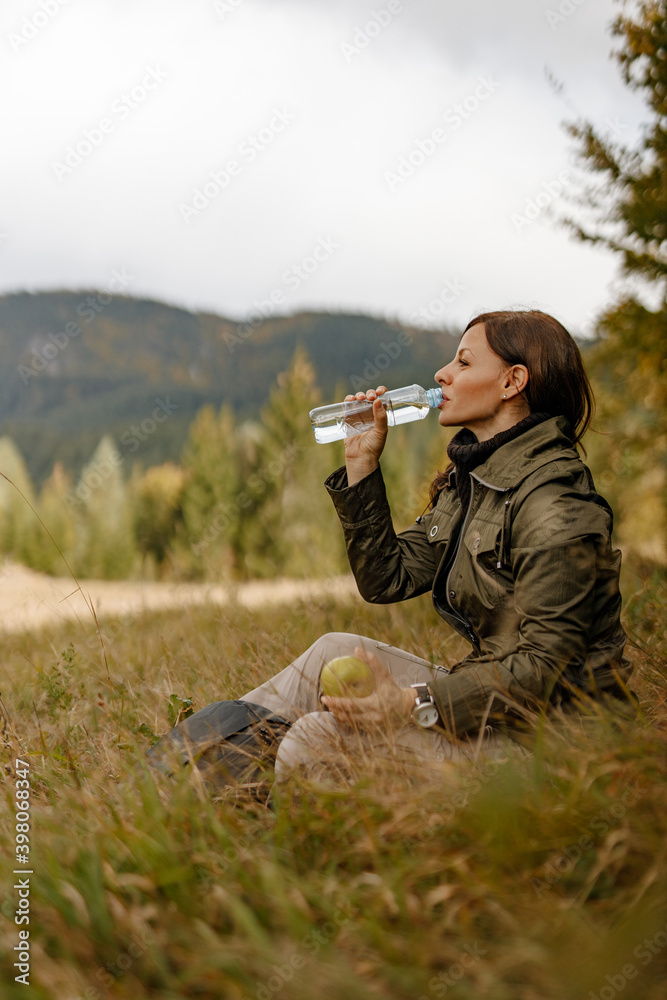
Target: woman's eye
462,362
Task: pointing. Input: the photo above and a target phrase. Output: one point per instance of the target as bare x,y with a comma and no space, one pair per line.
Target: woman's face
474,387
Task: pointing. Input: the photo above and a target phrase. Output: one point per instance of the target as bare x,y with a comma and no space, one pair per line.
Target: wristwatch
425,712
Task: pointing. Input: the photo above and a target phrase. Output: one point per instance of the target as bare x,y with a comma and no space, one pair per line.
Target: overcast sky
394,157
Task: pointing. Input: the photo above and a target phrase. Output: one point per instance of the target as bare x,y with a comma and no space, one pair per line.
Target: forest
535,876
76,365
243,498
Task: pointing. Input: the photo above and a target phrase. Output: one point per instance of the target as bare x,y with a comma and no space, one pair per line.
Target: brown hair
557,383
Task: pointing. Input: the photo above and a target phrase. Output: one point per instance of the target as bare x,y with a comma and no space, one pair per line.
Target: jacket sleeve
387,567
558,544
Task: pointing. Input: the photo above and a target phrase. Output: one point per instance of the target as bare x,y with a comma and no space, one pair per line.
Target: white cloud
231,75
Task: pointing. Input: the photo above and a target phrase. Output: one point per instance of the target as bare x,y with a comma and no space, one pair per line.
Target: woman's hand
388,706
362,451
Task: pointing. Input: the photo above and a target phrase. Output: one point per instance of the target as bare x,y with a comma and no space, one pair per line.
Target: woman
515,549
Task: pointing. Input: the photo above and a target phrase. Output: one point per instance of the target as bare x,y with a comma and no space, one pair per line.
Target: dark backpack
230,742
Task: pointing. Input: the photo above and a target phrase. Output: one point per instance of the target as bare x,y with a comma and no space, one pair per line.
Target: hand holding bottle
362,451
362,420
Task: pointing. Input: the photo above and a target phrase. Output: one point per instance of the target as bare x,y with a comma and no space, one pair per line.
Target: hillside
77,364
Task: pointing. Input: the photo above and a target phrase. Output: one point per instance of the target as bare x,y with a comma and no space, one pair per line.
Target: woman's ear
517,378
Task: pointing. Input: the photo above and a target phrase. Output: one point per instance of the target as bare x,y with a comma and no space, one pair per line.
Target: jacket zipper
472,634
501,551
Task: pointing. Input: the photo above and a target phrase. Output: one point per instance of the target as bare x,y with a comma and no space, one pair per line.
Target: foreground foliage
533,879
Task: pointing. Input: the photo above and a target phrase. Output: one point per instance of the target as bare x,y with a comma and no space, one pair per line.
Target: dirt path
32,600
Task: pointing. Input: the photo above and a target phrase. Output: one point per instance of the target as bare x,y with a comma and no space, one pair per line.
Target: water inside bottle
358,418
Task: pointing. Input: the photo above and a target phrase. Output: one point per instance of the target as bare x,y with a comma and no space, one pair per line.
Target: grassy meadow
541,878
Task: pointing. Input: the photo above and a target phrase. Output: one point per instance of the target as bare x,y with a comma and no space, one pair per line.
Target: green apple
347,677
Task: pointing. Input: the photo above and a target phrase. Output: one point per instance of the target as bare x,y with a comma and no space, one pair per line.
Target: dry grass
533,879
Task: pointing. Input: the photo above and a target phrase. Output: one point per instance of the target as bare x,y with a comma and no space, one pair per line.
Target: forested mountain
78,364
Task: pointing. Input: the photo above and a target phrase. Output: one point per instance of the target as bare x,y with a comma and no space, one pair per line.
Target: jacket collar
537,447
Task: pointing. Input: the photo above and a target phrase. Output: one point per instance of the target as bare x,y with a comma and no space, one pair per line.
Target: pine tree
210,501
58,519
20,530
102,512
625,210
292,529
627,199
158,497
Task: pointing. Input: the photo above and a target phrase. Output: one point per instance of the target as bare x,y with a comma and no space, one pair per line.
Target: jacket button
452,593
476,544
434,531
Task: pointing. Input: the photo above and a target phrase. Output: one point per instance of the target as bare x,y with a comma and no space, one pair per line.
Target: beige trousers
315,740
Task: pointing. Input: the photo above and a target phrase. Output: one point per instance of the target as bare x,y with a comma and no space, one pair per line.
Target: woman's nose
442,375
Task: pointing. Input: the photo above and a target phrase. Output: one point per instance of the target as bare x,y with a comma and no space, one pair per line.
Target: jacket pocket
482,542
439,527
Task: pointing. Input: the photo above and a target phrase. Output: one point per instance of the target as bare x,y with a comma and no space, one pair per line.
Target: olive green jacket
531,579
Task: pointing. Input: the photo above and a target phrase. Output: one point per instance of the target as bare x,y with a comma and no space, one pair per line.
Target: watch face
425,715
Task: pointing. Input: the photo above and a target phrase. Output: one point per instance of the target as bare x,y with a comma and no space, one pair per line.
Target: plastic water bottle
354,416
